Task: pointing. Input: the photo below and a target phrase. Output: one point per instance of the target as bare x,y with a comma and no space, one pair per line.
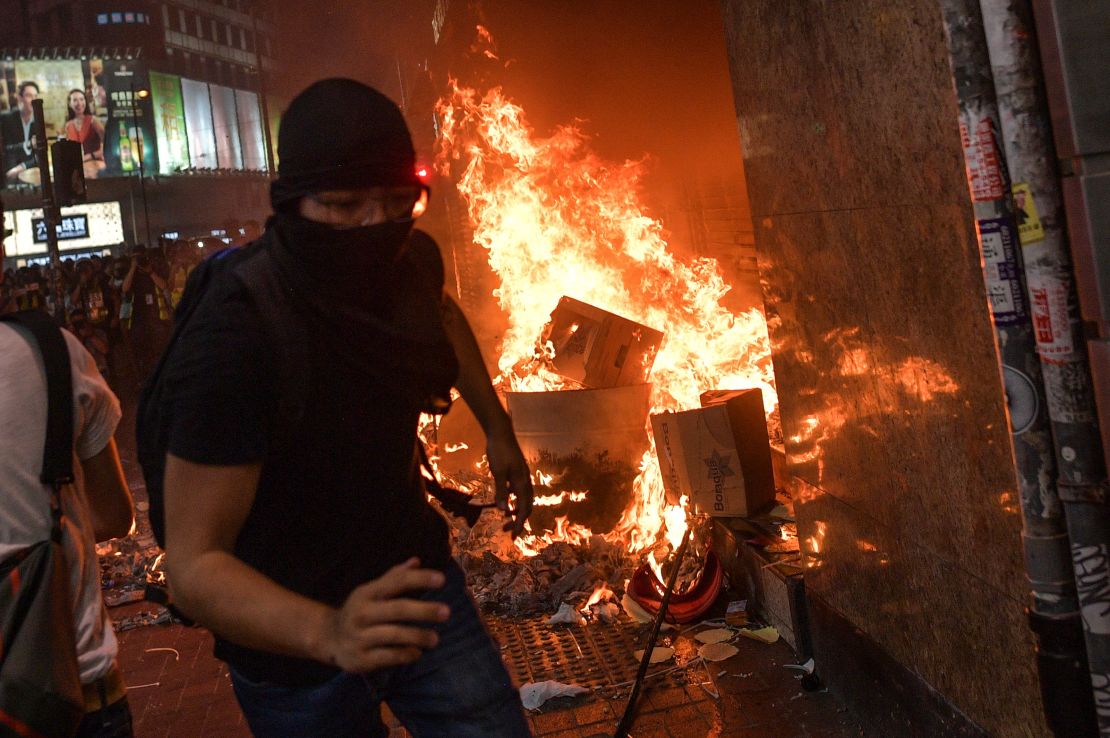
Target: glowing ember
550,500
555,220
601,594
530,544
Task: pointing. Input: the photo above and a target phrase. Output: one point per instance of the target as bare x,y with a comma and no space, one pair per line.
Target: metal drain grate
596,655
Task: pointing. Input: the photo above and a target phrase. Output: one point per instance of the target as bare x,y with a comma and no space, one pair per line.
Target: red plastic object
647,591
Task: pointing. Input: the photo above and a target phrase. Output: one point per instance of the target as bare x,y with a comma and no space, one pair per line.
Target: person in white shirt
96,506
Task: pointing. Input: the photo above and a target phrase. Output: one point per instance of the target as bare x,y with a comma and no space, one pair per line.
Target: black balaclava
340,134
366,300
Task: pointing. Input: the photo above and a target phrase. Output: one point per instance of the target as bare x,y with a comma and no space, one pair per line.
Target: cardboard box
598,348
718,455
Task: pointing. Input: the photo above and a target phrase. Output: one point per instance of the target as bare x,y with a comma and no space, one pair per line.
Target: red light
422,173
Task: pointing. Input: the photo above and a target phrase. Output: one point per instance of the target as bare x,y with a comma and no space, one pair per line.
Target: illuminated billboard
82,226
128,120
198,124
169,122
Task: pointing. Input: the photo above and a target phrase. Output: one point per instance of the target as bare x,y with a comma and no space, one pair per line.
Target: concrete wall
892,402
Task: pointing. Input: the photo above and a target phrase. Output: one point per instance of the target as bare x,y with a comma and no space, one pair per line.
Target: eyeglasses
376,205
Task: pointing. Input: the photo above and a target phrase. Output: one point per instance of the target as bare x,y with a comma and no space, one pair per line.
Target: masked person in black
316,559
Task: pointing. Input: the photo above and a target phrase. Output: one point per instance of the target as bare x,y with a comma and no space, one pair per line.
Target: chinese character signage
70,227
130,145
169,122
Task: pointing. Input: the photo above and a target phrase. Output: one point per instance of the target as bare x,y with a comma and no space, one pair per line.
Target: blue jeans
458,689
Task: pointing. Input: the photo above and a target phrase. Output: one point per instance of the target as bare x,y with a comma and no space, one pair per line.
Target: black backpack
255,266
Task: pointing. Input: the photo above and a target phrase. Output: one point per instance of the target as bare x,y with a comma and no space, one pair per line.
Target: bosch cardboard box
718,455
598,348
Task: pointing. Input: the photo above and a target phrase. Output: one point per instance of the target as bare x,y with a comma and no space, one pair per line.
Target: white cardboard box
717,455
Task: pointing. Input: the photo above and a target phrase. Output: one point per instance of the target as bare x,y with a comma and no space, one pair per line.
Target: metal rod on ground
1031,158
630,710
1054,606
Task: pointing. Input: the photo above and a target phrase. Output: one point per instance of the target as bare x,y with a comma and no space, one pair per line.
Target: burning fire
556,219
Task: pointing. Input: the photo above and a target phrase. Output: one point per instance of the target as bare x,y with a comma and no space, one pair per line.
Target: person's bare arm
506,462
157,279
109,497
127,280
206,507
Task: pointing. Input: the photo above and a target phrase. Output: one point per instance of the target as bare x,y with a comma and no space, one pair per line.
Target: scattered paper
637,613
566,615
717,635
806,668
659,654
534,694
717,651
607,612
765,635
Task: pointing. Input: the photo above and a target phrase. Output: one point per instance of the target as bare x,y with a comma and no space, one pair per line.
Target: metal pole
140,149
1054,607
1030,154
50,213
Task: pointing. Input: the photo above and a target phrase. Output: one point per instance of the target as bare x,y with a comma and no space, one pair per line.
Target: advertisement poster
198,124
129,139
250,130
169,122
58,81
225,122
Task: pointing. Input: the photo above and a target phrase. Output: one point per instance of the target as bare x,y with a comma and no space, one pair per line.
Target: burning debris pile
607,328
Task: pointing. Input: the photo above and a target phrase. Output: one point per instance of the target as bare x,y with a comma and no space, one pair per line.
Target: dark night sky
644,76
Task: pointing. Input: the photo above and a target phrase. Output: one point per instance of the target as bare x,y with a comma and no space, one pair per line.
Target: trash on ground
566,615
718,651
764,635
806,668
659,654
534,694
737,613
716,635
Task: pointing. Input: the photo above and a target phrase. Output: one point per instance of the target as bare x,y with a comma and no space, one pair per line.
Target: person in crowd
92,337
146,290
30,290
91,299
97,505
15,131
85,128
325,572
184,257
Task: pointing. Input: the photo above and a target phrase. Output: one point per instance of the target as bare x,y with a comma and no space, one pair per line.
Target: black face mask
363,254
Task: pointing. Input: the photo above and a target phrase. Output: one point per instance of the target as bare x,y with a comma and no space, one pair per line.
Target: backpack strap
57,455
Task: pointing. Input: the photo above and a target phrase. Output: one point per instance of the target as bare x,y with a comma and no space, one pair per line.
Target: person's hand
510,476
376,628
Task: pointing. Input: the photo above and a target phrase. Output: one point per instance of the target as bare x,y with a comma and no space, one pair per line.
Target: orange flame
556,219
601,593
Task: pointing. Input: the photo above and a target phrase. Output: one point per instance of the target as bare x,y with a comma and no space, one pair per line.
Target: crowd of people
120,308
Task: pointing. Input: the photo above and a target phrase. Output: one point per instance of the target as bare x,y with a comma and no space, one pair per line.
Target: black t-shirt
346,503
144,307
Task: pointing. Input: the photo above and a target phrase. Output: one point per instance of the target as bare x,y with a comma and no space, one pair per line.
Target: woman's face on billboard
77,103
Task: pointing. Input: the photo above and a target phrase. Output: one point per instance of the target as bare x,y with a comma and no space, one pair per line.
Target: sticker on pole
1028,219
984,161
1051,322
1000,270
